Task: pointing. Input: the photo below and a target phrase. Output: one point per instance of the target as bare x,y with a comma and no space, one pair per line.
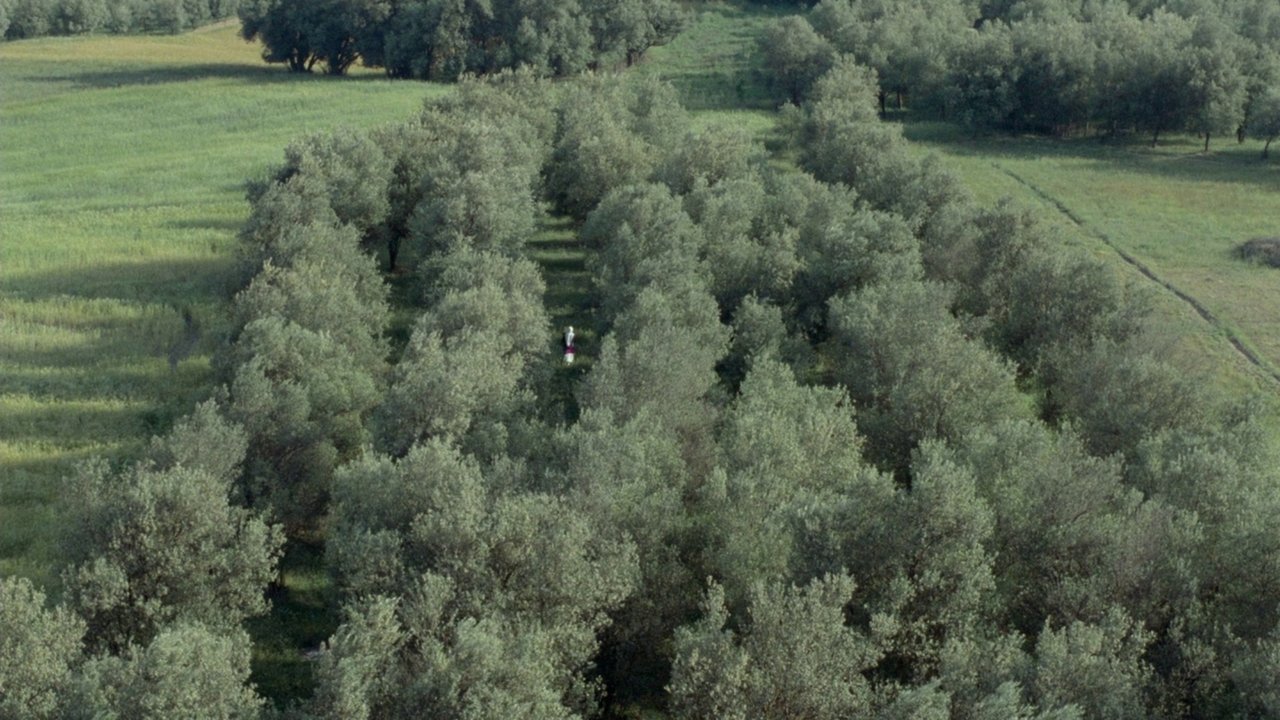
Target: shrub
1261,250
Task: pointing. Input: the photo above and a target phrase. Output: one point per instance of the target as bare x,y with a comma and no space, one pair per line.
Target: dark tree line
1209,68
22,19
850,445
444,39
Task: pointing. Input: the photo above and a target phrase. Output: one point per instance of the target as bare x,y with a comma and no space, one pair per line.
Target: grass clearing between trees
1178,212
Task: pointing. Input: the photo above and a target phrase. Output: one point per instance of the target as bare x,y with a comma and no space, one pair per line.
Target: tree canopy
841,441
444,39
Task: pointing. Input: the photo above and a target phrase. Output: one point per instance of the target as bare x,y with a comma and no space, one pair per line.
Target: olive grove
849,444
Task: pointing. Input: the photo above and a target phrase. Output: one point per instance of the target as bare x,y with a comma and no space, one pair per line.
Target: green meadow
122,167
1170,218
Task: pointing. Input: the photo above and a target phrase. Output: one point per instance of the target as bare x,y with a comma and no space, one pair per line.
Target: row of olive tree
161,571
925,534
1076,524
1211,69
22,19
443,39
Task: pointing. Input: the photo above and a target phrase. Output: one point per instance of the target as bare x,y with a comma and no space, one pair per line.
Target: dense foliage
1209,67
22,19
443,39
914,443
850,445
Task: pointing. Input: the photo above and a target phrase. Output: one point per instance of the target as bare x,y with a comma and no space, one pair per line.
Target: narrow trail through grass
1179,213
1232,338
562,259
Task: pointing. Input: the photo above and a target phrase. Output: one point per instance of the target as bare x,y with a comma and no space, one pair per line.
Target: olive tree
791,656
1264,119
160,541
40,648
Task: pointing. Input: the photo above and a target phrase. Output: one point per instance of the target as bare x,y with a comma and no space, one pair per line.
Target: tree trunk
1266,147
899,99
1206,142
881,97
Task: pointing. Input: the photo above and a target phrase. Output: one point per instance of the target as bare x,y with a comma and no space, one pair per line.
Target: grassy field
122,167
714,65
1175,211
124,160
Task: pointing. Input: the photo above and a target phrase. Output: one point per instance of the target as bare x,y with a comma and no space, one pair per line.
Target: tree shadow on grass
176,282
71,424
162,74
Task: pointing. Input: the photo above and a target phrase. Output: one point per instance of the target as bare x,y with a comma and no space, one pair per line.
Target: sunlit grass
1178,211
122,167
714,63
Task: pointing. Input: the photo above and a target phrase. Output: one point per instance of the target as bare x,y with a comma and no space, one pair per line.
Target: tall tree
981,89
353,170
609,138
477,568
1098,667
625,29
642,235
187,671
1264,119
744,255
783,447
840,138
467,171
304,402
283,27
464,371
1056,84
1072,539
1117,397
630,479
662,356
477,181
326,285
796,56
1217,80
